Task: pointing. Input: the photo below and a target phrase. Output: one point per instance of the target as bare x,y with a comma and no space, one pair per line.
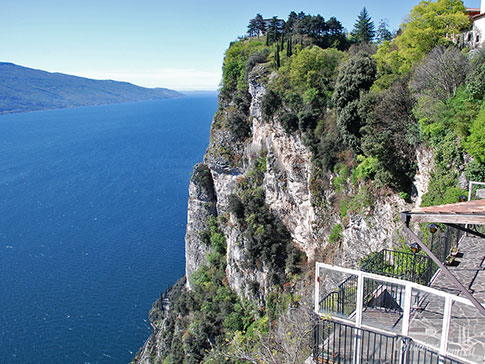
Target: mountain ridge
25,89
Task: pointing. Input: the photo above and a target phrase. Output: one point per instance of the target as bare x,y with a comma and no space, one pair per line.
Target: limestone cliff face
288,193
201,207
287,186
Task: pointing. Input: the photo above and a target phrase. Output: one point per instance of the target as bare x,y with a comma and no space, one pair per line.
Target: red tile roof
470,212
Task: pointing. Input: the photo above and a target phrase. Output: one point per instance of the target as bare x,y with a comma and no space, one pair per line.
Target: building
475,37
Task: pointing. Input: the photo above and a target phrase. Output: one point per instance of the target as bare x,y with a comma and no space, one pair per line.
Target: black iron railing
343,300
339,343
376,294
384,296
401,265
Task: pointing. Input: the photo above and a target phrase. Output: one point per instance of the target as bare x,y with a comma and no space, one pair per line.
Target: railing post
317,287
445,331
358,318
406,310
405,345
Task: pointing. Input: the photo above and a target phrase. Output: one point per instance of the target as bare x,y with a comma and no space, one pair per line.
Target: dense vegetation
369,107
363,103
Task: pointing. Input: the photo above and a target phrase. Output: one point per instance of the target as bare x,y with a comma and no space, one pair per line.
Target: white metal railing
470,188
356,318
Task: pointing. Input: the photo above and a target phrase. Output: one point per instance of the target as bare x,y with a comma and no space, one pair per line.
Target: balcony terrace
409,308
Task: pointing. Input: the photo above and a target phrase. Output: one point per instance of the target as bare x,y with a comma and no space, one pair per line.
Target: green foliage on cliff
233,70
266,238
429,24
355,77
362,115
475,143
202,318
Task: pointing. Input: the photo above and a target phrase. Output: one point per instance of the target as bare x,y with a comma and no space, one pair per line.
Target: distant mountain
27,89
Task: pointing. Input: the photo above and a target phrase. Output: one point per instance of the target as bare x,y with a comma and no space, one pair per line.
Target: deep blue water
93,205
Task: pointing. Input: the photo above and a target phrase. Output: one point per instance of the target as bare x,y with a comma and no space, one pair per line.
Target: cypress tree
277,56
289,51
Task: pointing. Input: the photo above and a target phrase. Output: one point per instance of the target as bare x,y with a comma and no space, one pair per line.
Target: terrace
404,307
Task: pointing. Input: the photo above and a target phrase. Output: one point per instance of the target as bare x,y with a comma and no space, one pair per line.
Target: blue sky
175,44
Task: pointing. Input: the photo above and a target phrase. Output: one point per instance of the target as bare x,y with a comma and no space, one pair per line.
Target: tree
390,134
441,73
253,28
290,23
274,31
277,56
356,75
476,141
336,37
260,24
475,82
364,29
383,33
287,341
429,24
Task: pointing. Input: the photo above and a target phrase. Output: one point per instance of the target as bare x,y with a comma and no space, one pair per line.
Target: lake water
93,205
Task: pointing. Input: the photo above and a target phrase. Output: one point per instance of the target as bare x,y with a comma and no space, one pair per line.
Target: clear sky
154,43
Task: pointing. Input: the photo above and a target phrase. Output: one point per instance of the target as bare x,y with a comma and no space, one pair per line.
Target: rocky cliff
288,193
287,183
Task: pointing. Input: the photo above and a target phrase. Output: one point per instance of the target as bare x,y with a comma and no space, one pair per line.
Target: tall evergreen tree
277,56
383,33
289,51
274,30
290,23
260,24
253,28
364,29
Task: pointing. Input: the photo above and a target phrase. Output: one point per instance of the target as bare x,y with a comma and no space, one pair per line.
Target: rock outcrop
288,192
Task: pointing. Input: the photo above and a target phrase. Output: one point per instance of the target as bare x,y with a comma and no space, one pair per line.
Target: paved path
467,329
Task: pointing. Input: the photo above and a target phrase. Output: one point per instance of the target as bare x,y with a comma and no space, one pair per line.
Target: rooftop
470,212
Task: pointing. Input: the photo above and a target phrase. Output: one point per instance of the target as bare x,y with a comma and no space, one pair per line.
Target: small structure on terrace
423,306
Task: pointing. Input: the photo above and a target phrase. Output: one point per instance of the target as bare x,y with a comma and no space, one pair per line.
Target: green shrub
336,234
363,199
365,170
235,60
340,181
289,122
203,177
238,125
344,206
270,103
236,206
307,119
355,76
475,171
475,143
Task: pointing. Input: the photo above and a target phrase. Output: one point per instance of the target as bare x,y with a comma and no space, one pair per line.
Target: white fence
395,306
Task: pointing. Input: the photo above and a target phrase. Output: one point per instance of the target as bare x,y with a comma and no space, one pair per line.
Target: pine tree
383,33
253,28
364,29
259,21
